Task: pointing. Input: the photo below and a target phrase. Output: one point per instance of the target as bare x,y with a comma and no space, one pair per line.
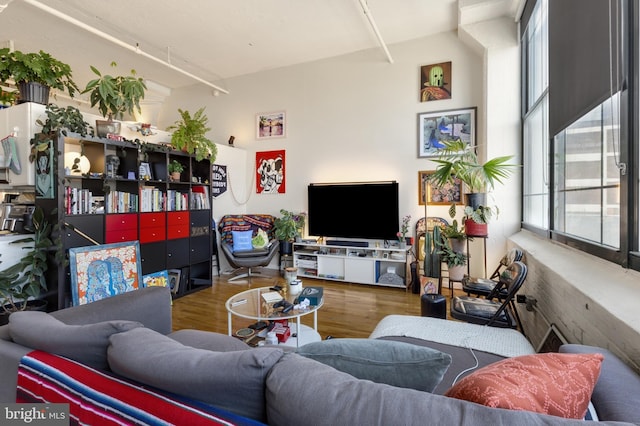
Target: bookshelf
124,193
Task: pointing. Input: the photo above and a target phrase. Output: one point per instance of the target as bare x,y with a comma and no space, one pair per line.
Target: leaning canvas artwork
103,271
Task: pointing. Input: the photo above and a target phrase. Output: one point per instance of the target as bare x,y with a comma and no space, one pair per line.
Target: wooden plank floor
350,310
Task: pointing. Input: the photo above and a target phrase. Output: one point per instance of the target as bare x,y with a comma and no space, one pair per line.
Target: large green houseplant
287,228
189,135
26,279
459,160
35,73
114,96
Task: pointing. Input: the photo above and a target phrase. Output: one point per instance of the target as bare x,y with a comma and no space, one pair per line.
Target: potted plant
189,135
287,228
114,97
35,74
59,121
25,280
459,160
175,168
455,261
456,235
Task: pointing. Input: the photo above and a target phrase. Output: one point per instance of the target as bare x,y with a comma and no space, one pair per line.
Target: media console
363,265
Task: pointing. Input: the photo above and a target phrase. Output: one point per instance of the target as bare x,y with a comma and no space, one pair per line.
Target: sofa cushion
209,340
242,240
233,381
83,343
616,382
304,391
549,383
382,361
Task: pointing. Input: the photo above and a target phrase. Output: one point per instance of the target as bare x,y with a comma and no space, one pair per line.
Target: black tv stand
347,243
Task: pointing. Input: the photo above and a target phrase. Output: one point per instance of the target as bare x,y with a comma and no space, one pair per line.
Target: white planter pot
456,273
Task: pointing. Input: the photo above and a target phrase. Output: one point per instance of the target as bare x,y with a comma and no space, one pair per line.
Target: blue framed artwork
102,271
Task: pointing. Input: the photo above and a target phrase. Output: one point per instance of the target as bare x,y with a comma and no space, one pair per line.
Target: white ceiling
215,39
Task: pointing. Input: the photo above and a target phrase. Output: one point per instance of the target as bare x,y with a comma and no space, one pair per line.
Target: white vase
456,273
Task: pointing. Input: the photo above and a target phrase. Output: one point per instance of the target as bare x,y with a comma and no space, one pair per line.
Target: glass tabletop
257,303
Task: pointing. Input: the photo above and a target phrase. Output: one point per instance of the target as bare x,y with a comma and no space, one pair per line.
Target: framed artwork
145,171
435,82
439,196
103,271
45,178
156,279
270,125
174,280
270,172
434,128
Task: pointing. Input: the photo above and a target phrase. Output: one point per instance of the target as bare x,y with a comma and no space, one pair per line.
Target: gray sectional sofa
266,384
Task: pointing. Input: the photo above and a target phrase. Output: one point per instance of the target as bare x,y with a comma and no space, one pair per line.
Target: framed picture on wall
435,128
438,196
270,125
435,82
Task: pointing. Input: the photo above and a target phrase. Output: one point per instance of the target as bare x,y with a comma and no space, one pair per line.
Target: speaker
433,305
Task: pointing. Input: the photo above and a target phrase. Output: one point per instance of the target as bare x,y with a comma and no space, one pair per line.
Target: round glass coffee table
251,304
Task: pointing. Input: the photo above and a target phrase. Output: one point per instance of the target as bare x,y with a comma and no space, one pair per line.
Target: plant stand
484,252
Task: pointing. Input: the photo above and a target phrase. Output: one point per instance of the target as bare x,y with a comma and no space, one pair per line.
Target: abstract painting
435,82
104,270
270,172
436,128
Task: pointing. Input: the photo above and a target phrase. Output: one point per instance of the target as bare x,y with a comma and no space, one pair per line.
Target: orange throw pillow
559,384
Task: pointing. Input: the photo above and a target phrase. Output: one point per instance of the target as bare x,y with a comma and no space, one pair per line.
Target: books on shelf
152,199
177,200
121,202
77,201
200,197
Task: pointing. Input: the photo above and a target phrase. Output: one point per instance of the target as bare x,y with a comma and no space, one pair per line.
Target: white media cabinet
364,265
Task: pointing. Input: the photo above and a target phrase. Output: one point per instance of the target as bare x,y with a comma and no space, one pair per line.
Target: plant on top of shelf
189,135
40,68
117,95
59,121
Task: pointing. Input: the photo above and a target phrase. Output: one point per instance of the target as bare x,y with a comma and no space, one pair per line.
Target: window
587,178
535,206
576,134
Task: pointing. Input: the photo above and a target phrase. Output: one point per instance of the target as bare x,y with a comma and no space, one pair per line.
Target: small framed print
445,195
174,280
145,171
270,125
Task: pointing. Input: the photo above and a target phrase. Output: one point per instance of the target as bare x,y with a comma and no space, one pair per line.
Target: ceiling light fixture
367,13
119,42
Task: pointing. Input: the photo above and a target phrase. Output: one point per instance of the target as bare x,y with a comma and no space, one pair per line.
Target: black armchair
250,258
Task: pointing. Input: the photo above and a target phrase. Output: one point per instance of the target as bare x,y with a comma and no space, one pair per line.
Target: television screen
354,210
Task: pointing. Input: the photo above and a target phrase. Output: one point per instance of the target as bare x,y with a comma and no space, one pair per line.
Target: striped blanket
245,222
96,398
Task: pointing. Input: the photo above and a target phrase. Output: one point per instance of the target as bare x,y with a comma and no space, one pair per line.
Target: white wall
350,118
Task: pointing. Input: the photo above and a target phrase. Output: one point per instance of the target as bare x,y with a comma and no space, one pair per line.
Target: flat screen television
366,210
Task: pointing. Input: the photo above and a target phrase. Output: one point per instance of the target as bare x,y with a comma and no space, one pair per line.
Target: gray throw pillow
83,343
209,340
382,361
234,381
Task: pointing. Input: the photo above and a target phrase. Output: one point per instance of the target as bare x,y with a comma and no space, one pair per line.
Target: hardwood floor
350,310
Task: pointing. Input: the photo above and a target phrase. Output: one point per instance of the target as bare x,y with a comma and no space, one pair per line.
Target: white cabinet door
359,270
